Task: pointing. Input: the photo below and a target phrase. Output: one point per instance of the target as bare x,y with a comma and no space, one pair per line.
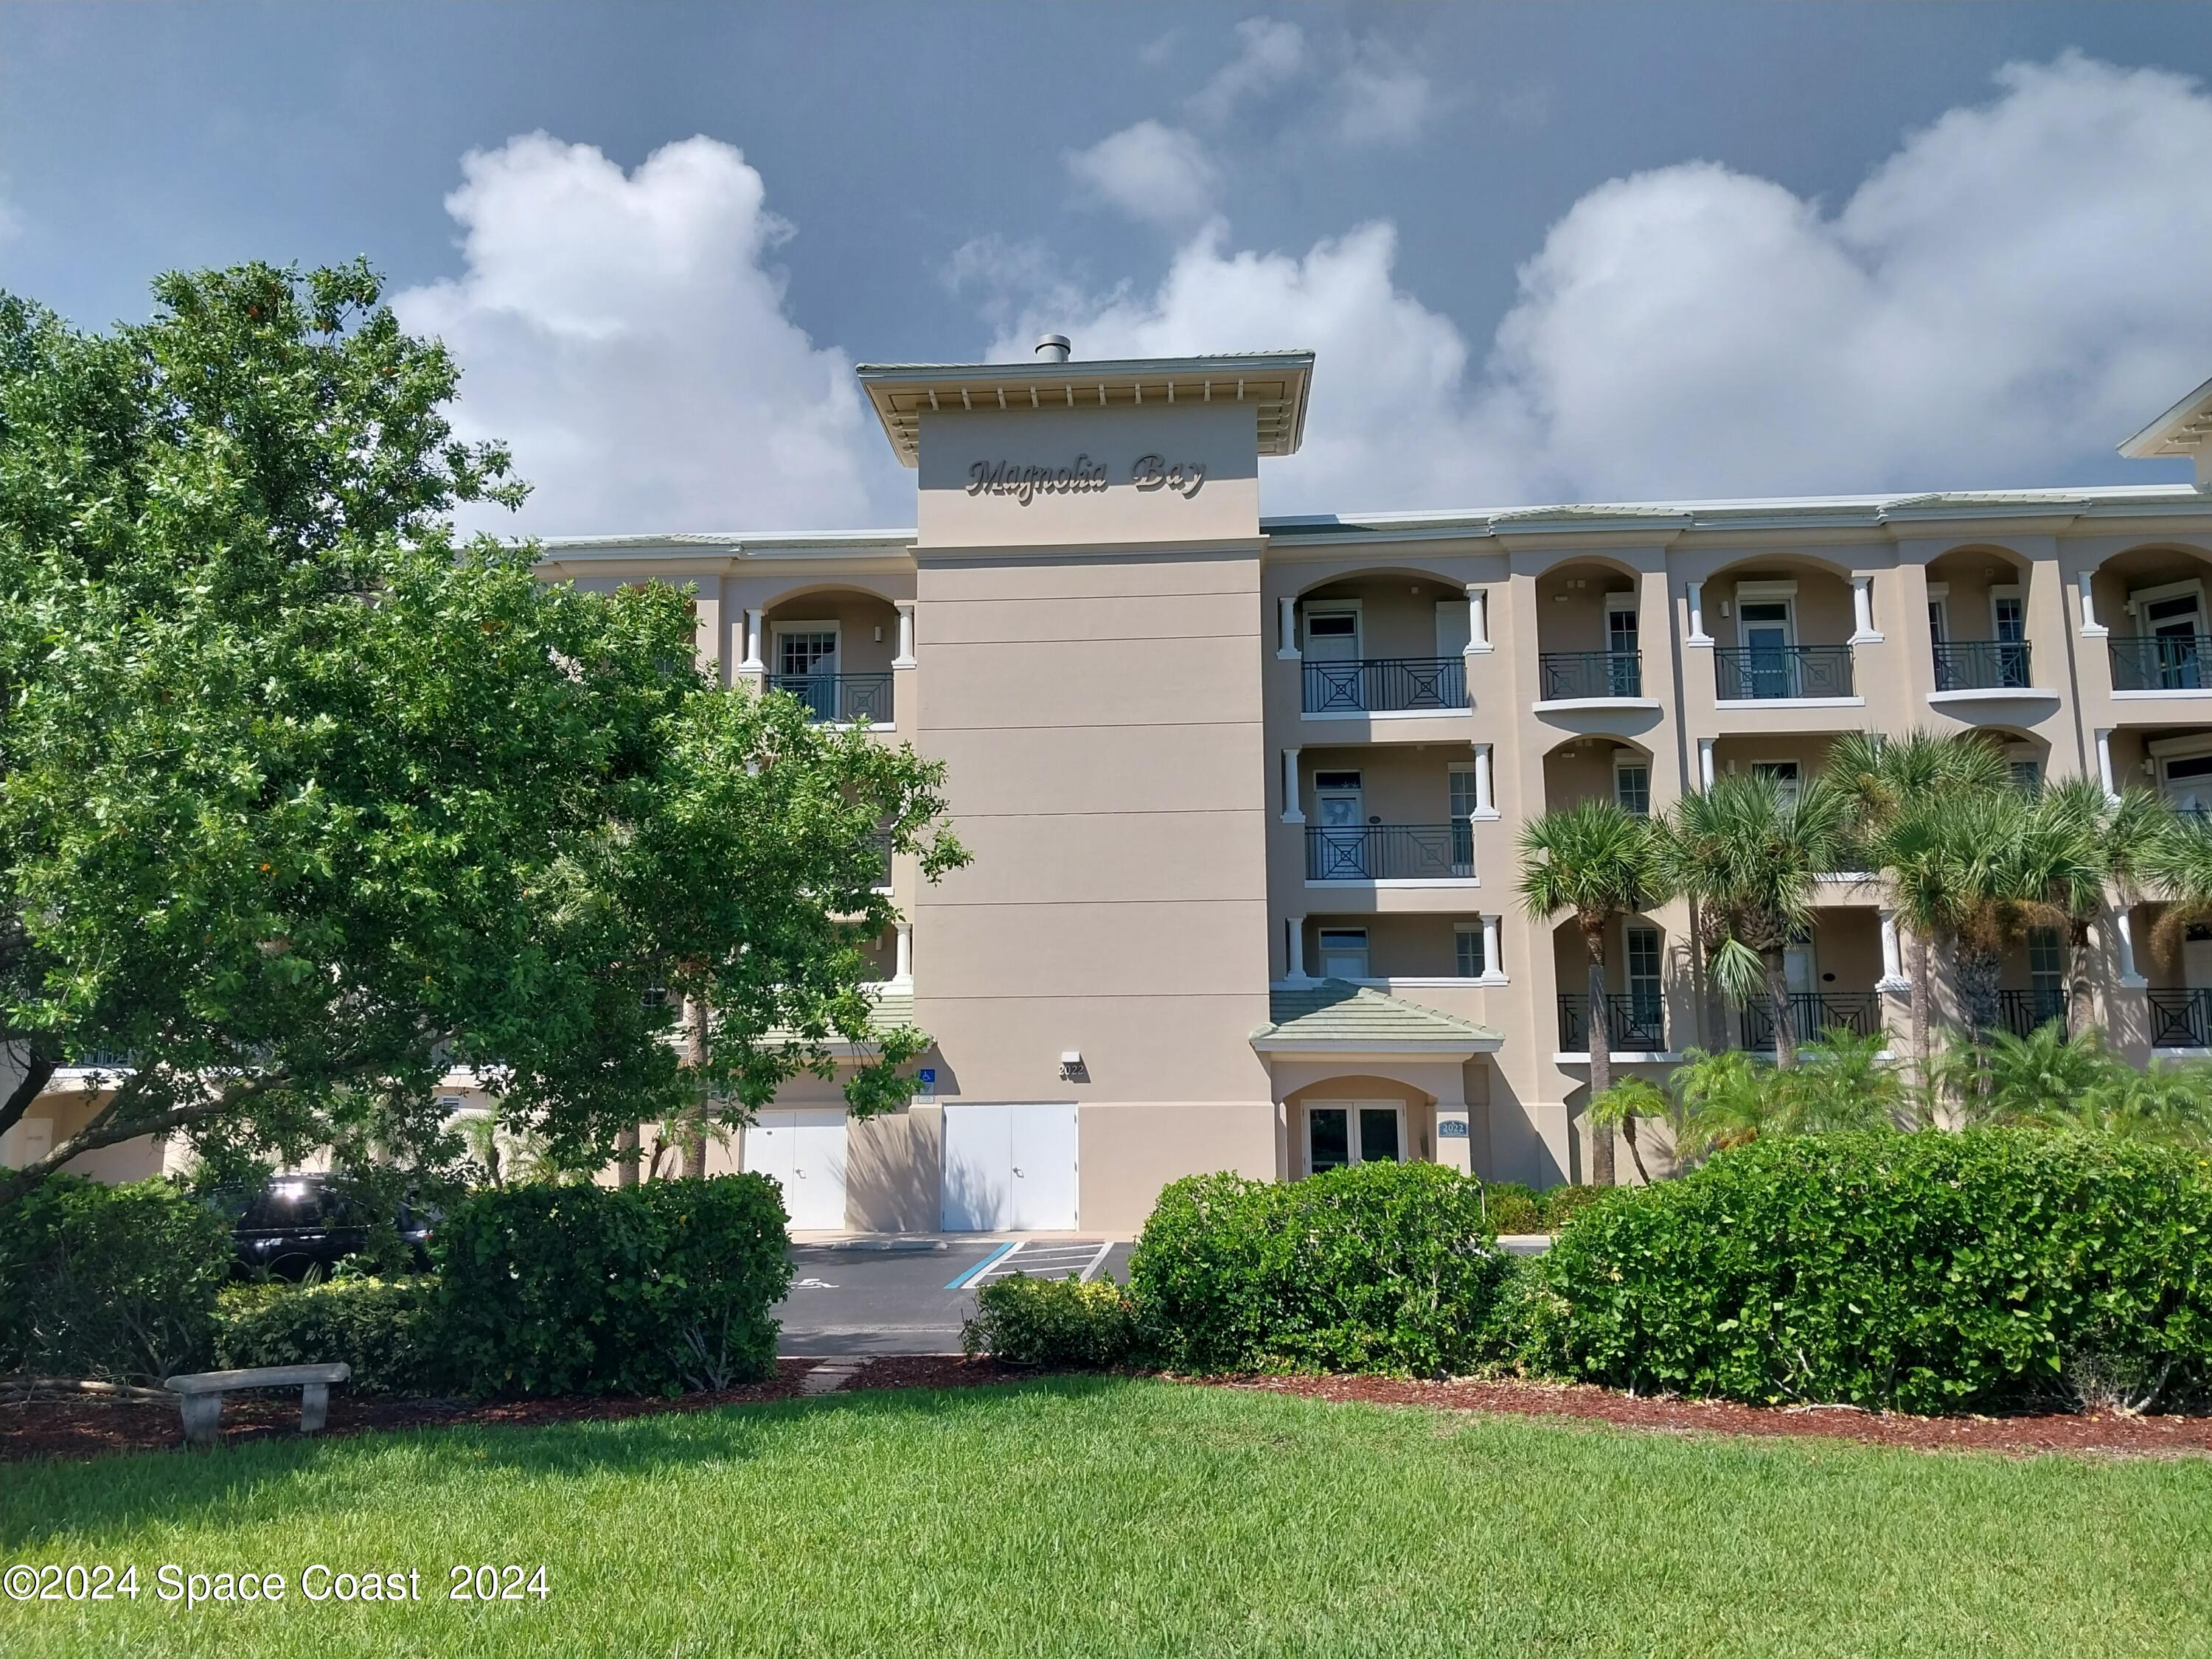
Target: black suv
300,1222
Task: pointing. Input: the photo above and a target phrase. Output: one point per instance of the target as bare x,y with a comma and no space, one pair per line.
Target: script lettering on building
1081,475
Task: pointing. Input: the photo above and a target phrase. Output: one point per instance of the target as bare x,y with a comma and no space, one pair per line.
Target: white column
1298,965
1455,1148
2124,947
1698,635
905,658
1493,964
1478,620
1705,760
2104,763
1485,800
753,664
902,971
2091,628
1286,630
1893,956
1290,813
1863,610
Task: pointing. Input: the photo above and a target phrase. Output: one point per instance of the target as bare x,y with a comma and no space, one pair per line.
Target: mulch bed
86,1428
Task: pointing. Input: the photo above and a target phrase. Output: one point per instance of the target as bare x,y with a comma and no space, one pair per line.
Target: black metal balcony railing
1385,685
1589,674
1812,1013
2181,1019
102,1059
2162,662
1981,666
1390,851
2021,1012
839,699
1747,673
1635,1022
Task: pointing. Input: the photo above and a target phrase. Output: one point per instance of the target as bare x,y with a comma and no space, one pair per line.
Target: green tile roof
894,1007
1334,1014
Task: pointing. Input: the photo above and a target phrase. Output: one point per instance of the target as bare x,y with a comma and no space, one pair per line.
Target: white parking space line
1076,1259
1097,1262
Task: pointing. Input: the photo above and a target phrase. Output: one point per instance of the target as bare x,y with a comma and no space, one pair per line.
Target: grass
1098,1516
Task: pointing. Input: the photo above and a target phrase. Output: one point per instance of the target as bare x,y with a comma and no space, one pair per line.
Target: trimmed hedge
116,1283
1563,1204
600,1290
386,1328
1927,1273
1372,1268
1513,1207
1052,1321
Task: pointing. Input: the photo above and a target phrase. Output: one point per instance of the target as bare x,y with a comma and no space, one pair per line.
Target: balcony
1982,665
1387,685
1634,1023
839,699
1761,673
2181,1019
1564,676
1390,851
1811,1012
2021,1012
2162,662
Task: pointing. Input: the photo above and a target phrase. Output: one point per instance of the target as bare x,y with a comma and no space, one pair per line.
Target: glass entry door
1337,799
806,667
1341,1132
1769,663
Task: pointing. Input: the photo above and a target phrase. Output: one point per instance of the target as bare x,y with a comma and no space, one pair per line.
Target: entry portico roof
1275,382
1334,1015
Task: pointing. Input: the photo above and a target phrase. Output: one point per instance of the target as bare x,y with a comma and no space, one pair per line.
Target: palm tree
1596,860
1622,1106
1750,854
1901,789
2176,864
1841,1082
2089,844
1727,1099
2035,1080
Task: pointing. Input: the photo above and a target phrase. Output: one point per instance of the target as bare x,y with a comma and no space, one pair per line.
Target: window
1631,783
1463,813
2026,775
2046,973
2008,614
2186,783
1340,1133
1467,939
1643,974
1343,953
811,651
1331,637
1785,775
1939,622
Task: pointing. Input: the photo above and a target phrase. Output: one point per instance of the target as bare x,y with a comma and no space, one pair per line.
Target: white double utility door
806,1153
1009,1168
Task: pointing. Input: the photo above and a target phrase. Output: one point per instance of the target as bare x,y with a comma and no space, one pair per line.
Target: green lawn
1103,1517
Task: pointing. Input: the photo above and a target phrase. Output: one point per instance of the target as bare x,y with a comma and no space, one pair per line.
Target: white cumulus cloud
1151,171
2010,292
628,336
1270,54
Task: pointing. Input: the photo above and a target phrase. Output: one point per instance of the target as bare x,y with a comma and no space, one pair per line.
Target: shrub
1052,1321
386,1329
1929,1272
117,1283
600,1290
1512,1207
1377,1267
1563,1204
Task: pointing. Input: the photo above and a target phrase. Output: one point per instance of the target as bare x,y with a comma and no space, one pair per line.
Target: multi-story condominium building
1243,791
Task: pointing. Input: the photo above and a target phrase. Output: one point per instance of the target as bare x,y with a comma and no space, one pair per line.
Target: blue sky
1552,252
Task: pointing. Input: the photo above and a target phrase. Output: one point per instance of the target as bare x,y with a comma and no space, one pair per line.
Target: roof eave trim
1457,1048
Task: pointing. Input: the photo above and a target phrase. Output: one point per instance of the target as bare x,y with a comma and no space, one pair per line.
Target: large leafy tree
1597,861
1749,855
302,802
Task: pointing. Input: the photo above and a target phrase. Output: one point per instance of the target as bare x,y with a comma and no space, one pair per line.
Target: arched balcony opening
1599,768
1782,630
1382,643
833,649
1977,621
1589,640
2153,600
1643,973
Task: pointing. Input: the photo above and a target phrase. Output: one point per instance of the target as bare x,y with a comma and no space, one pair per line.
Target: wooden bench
199,1396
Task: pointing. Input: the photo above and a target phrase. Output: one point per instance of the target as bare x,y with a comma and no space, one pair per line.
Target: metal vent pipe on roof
1053,347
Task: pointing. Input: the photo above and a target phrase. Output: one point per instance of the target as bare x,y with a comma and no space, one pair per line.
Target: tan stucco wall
1127,1151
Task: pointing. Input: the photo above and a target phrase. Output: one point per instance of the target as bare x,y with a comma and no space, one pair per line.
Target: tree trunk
1923,997
2075,1013
1977,971
1601,1055
1635,1153
626,1155
690,1130
1778,993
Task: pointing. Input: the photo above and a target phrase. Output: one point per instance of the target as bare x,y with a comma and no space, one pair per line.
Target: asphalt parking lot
896,1296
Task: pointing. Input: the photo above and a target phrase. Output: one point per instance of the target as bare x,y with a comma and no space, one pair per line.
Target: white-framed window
1341,1132
1787,775
1645,977
805,649
2047,962
2008,614
1466,943
1333,631
1939,613
1631,782
1343,952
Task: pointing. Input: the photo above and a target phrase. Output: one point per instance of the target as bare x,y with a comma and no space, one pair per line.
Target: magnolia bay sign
1082,476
